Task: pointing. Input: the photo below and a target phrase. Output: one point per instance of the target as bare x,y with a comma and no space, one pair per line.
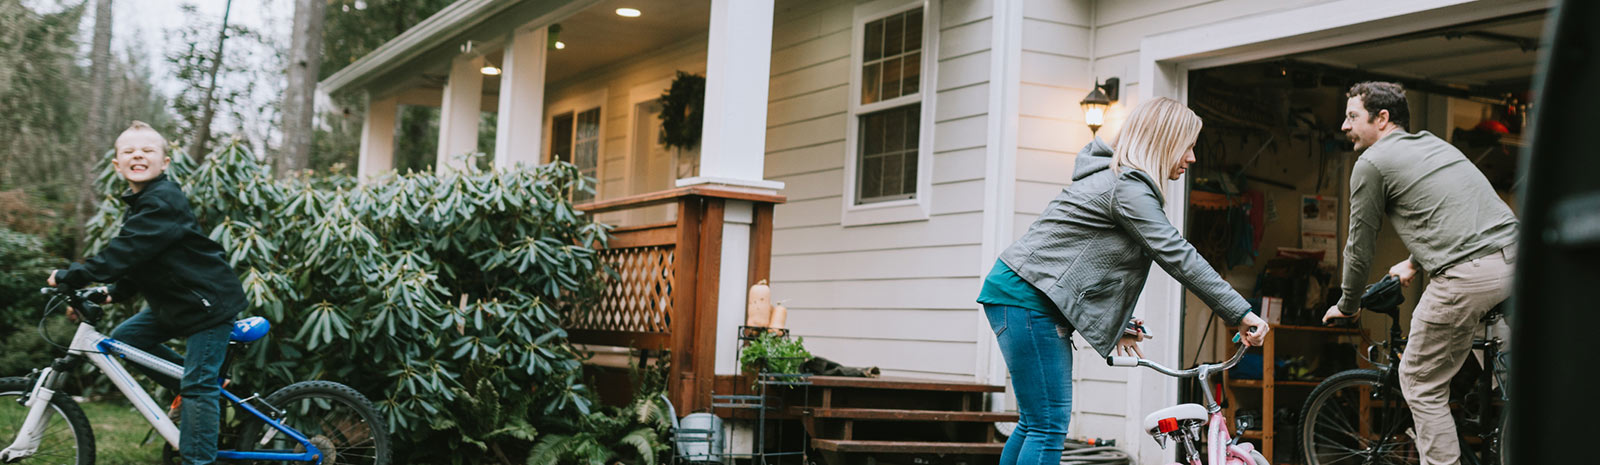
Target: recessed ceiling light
490,70
628,12
560,45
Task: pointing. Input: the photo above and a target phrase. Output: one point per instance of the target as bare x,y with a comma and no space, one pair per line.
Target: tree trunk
90,145
299,96
202,134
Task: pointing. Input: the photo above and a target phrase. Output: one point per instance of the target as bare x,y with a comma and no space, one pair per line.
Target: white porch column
377,138
738,59
733,146
458,119
519,136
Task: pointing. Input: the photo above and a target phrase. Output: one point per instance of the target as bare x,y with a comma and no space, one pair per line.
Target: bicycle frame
1220,448
102,352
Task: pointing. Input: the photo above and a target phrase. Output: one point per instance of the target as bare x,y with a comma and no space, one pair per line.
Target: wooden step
908,447
904,384
872,414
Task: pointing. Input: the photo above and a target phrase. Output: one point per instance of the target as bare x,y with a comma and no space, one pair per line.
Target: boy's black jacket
162,254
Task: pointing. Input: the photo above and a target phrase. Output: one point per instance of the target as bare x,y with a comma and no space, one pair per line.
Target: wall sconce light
1095,104
554,36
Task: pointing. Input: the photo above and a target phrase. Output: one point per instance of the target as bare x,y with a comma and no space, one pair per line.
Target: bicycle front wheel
67,437
341,422
1356,417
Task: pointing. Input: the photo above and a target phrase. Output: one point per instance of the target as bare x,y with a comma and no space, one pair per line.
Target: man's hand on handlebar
1257,334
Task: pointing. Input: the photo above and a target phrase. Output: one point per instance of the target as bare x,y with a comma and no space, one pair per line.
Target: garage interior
1269,193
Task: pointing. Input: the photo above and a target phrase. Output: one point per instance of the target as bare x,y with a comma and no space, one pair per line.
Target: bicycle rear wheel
67,437
1355,417
339,421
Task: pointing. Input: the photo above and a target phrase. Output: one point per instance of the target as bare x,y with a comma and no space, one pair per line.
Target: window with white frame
575,139
888,114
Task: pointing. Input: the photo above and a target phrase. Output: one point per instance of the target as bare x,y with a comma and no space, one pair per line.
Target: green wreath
682,109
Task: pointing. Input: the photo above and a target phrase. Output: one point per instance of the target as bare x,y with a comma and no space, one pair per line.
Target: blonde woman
1081,265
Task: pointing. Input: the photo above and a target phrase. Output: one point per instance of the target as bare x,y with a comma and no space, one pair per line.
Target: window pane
909,182
894,131
892,172
911,76
913,30
888,154
871,177
891,79
561,138
874,40
913,126
869,84
872,134
894,35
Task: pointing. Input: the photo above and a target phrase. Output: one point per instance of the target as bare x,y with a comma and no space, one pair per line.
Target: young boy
162,254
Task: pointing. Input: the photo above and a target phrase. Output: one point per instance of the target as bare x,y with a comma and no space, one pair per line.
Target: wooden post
761,244
686,258
706,298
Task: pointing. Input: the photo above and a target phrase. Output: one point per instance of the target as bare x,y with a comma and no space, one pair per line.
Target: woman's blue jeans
1038,353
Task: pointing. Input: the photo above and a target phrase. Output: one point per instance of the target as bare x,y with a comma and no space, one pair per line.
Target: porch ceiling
594,37
597,37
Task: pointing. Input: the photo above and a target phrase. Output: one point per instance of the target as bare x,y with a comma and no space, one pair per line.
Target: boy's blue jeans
1038,353
200,387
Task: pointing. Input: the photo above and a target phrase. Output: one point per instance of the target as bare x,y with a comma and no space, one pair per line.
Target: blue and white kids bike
318,422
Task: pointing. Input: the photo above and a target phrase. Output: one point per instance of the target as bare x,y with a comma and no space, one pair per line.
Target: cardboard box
1272,310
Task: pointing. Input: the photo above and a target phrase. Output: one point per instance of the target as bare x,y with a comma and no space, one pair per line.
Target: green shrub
439,296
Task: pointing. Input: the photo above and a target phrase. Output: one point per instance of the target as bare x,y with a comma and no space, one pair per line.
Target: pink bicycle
1181,423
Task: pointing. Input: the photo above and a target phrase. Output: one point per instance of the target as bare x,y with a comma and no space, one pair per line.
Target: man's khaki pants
1442,328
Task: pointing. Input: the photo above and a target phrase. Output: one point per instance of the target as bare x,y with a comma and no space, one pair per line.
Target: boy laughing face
141,155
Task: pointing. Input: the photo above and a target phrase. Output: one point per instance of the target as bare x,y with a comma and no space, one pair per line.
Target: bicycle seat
249,329
1384,296
1181,412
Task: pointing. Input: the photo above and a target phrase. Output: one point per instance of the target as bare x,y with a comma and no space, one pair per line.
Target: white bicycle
319,422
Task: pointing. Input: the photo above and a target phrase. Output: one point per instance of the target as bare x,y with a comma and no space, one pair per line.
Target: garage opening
1269,195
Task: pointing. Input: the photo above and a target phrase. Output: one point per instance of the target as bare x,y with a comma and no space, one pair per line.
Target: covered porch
496,84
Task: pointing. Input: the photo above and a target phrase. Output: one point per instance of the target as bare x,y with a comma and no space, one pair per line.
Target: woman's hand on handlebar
1128,344
1257,335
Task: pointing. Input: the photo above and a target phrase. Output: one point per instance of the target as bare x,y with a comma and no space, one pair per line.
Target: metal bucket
699,439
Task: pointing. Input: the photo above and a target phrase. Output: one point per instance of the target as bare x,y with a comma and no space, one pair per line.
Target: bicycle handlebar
81,300
1125,361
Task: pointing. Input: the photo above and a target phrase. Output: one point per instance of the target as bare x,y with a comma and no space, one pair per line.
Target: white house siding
899,296
617,81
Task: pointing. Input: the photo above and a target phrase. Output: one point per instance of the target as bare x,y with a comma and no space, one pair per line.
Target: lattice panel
640,301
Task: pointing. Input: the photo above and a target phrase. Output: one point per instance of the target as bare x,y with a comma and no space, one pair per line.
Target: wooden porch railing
666,294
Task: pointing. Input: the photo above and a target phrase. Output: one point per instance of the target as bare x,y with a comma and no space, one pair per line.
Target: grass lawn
119,432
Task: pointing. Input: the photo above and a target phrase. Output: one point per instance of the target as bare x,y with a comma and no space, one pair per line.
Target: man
1457,230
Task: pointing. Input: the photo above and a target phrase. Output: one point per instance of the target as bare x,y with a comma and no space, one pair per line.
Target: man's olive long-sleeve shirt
1439,202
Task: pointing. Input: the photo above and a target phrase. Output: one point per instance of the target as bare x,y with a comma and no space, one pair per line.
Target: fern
643,442
550,450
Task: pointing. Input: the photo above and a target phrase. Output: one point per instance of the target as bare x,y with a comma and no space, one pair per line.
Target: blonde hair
137,126
1154,137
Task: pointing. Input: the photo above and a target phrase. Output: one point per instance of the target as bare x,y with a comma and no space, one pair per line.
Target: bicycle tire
1329,437
68,413
306,406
